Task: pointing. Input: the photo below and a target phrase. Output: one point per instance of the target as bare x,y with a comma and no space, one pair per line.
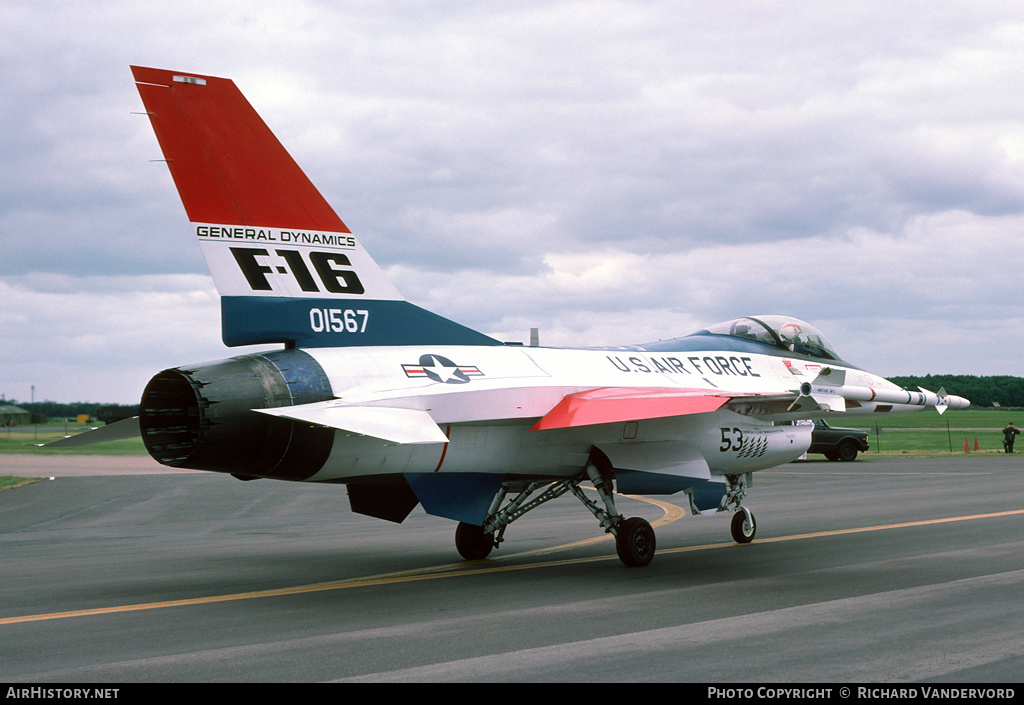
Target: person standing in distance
1009,435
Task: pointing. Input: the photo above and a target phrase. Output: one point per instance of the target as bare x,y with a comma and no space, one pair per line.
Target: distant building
19,416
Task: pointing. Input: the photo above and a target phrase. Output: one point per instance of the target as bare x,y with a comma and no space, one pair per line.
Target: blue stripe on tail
335,322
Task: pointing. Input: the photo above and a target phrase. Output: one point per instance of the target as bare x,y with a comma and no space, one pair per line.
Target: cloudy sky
609,172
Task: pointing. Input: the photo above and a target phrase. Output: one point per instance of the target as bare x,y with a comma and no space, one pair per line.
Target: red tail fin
228,166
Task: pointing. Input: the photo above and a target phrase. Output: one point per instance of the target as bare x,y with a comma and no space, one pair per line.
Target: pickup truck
837,443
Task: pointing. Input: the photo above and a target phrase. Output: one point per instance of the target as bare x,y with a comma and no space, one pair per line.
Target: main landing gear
634,537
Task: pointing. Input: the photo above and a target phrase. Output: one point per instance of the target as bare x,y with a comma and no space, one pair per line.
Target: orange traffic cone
967,448
976,446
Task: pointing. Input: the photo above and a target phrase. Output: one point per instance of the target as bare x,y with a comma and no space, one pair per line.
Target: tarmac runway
878,571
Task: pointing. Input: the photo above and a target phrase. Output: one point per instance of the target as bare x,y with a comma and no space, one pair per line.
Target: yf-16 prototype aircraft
406,407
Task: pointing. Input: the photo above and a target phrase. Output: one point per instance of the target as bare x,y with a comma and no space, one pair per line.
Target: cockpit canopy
782,332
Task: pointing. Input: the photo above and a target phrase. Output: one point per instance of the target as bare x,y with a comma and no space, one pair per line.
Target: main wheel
634,542
471,541
743,530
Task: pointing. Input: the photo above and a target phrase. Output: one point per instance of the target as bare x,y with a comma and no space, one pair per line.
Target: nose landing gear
743,525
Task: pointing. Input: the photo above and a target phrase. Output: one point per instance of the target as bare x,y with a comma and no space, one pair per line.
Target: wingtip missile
830,392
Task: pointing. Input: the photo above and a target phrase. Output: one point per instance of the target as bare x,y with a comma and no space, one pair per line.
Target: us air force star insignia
441,369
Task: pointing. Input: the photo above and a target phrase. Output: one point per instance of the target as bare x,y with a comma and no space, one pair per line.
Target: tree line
58,410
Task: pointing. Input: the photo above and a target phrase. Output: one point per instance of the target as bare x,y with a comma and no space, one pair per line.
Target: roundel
439,368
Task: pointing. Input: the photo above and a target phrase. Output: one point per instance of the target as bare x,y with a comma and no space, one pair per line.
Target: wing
616,404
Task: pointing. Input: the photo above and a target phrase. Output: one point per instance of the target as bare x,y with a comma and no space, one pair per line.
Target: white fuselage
487,399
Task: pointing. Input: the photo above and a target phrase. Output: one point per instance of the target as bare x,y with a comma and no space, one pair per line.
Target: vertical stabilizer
287,268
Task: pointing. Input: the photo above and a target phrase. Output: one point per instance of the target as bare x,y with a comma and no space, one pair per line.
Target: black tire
847,451
742,530
635,543
471,541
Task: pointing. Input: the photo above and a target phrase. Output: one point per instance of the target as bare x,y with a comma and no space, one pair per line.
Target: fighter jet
409,408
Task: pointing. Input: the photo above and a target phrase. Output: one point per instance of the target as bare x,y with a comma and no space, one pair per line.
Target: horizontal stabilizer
615,404
395,425
119,431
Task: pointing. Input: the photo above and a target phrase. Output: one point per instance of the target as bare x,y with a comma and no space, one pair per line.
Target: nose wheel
744,527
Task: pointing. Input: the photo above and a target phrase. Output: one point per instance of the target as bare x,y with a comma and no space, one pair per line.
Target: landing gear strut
634,537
